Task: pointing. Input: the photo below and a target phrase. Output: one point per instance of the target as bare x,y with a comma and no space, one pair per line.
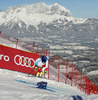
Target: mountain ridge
39,10
28,20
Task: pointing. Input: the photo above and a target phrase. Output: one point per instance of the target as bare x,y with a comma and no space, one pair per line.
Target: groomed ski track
18,86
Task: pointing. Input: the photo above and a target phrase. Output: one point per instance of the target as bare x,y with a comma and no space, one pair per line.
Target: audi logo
24,61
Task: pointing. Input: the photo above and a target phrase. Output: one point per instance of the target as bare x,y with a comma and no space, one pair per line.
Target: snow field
20,86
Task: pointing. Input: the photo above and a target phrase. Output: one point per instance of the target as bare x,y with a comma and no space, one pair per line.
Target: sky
78,8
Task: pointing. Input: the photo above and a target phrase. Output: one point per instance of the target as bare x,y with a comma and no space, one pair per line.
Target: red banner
17,60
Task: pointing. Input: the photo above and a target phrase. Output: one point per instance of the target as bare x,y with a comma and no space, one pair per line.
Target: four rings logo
24,61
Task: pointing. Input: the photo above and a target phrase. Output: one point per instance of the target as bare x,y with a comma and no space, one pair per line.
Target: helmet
45,58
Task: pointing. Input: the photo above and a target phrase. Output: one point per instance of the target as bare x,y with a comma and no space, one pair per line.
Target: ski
31,75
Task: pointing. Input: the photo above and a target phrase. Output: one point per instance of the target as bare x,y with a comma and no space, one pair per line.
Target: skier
42,63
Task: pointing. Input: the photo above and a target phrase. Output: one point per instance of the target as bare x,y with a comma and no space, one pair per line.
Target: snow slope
20,86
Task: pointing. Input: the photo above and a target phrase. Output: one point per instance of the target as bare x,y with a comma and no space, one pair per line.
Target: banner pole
16,43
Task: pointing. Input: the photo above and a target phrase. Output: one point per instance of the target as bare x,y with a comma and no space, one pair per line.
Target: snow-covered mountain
39,18
29,18
35,14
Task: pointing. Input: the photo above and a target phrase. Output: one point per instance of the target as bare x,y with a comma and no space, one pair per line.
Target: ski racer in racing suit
42,63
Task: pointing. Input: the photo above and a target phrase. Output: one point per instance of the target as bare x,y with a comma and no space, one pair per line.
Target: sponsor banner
17,60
